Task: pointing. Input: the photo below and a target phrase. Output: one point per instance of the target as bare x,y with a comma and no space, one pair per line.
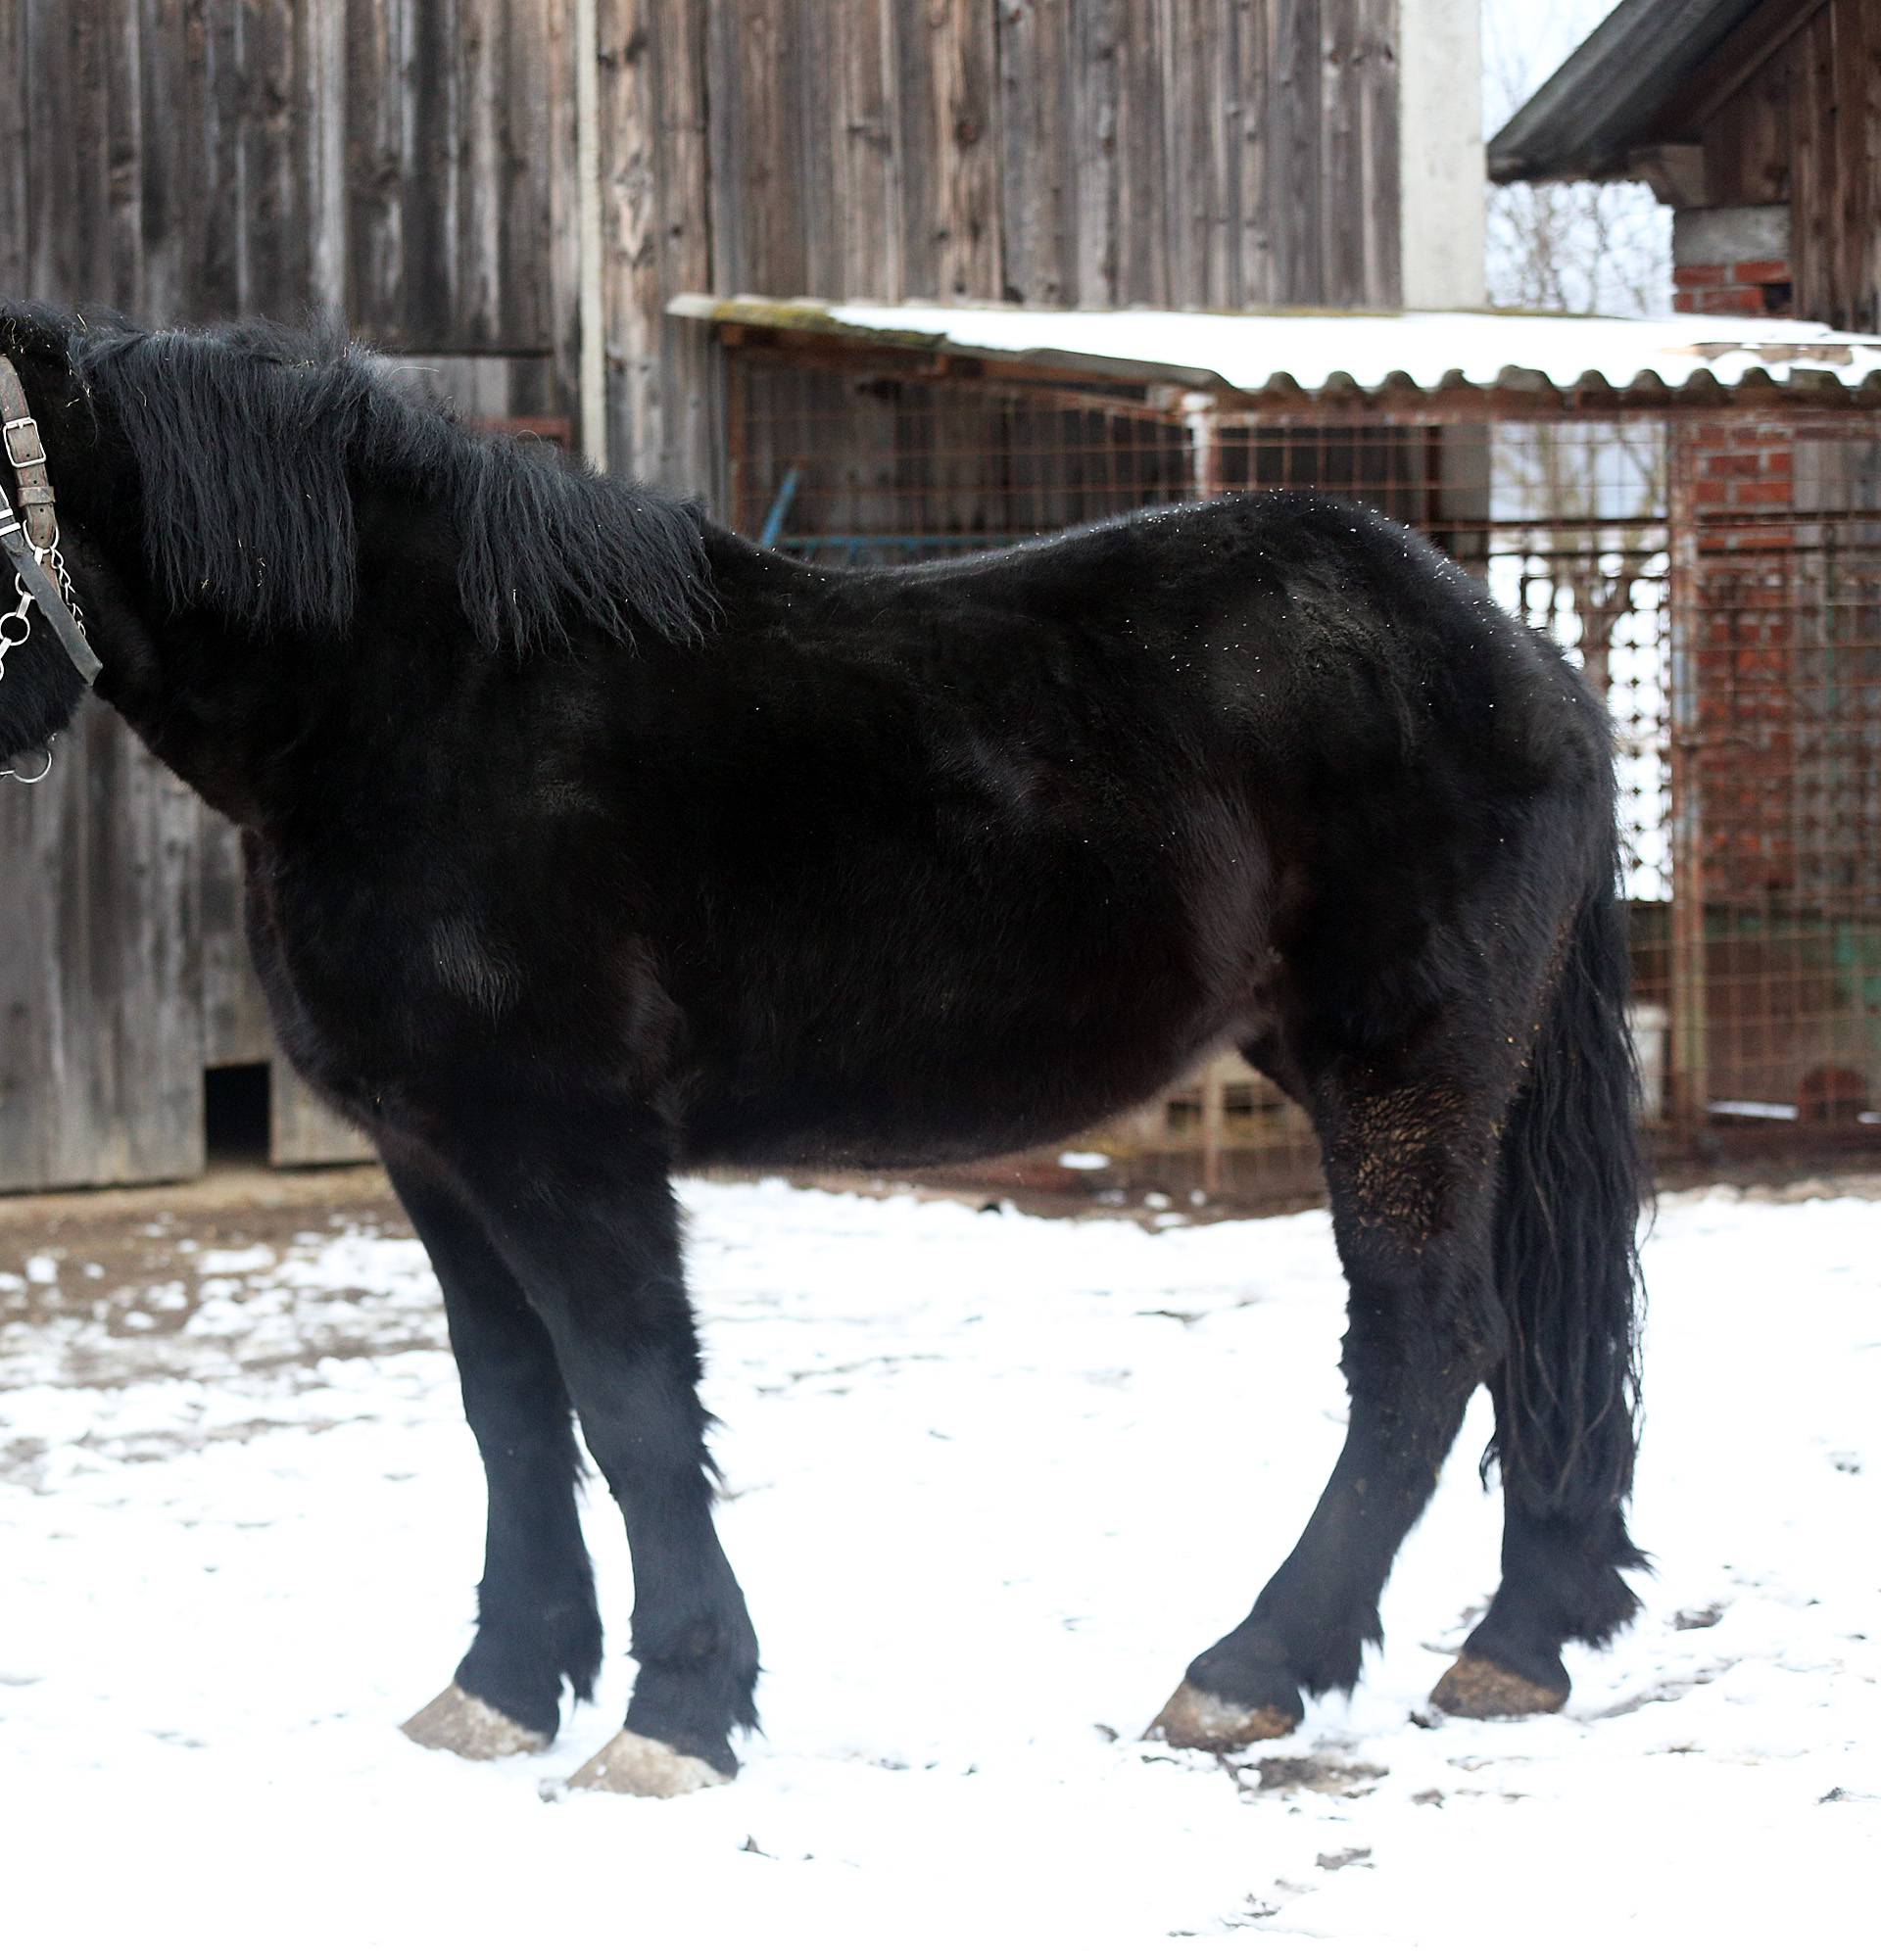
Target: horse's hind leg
1408,1146
537,1623
1567,1386
1564,1556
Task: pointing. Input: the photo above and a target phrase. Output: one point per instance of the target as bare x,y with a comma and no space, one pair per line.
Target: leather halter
31,537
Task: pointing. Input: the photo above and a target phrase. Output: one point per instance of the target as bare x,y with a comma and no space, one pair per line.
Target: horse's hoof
634,1765
470,1728
1478,1689
1194,1719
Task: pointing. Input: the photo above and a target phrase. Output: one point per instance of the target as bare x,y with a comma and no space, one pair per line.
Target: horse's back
996,847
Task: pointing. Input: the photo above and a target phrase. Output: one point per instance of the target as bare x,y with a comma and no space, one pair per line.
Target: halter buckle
24,452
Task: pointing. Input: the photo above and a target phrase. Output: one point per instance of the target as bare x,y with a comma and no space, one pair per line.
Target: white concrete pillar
1440,158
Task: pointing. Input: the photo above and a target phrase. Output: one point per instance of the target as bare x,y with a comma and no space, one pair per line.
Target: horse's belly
939,1103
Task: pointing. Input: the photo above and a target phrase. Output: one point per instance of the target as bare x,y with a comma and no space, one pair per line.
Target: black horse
587,841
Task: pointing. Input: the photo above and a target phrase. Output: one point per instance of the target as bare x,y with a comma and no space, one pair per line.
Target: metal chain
57,561
16,627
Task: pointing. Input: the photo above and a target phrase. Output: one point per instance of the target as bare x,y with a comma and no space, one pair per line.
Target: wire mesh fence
1716,573
1777,970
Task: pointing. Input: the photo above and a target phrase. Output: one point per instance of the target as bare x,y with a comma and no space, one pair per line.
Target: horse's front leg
537,1623
592,1229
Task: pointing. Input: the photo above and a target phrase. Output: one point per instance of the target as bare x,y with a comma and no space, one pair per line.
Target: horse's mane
250,441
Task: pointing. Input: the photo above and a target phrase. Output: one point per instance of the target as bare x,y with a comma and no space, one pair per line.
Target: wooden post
1201,416
1689,1090
1214,1122
593,389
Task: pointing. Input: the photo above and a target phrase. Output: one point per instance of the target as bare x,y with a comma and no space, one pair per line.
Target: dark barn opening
235,1114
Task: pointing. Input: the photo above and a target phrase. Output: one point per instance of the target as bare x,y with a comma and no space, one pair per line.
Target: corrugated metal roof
1326,352
1605,99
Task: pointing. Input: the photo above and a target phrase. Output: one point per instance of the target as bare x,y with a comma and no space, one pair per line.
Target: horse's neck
203,708
227,711
268,723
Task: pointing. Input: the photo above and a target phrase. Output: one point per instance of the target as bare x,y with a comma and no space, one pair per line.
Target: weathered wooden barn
507,194
1757,120
595,220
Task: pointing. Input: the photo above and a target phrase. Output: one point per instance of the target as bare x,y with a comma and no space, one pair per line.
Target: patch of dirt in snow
1322,1774
212,1290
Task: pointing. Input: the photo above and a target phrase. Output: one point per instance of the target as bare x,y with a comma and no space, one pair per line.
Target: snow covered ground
992,1478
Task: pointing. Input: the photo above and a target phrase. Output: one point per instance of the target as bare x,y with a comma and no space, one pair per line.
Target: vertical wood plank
656,239
854,214
212,286
726,217
1866,114
1201,115
692,457
1253,278
101,1074
869,179
1097,31
1038,199
16,137
163,47
756,90
1374,82
131,891
34,1051
516,215
945,63
376,63
429,164
1143,183
917,139
1341,181
495,108
323,121
630,220
301,1131
558,271
277,273
1812,171
53,171
235,1022
1855,141
120,58
1294,184
818,36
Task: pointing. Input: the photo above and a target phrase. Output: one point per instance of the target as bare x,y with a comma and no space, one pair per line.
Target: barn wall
409,164
1802,128
1205,153
403,163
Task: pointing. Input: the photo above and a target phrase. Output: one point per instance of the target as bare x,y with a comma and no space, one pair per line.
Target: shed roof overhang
1332,354
1638,81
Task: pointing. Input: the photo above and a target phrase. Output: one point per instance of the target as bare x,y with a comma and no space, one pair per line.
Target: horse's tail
1566,1245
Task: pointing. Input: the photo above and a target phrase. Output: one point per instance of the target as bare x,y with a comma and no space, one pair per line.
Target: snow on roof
1319,352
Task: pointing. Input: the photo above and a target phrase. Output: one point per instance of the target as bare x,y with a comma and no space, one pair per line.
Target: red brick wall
1751,286
1743,627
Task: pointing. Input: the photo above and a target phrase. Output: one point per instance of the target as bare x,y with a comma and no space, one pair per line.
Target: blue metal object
779,508
867,547
876,547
